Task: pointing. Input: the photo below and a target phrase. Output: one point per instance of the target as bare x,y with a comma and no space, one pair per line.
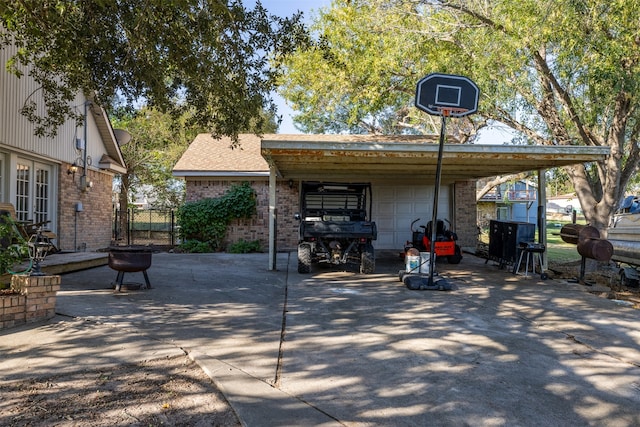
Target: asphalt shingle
210,155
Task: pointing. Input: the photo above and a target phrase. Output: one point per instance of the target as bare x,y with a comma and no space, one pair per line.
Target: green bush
244,247
13,248
203,223
196,246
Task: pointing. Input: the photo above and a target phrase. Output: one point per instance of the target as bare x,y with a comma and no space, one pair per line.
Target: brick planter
34,300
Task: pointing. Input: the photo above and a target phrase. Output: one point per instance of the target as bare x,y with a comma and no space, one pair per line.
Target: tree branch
500,179
565,99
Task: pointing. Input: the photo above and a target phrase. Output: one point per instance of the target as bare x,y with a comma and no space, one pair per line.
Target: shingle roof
207,156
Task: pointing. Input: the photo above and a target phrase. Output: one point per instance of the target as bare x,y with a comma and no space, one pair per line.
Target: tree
157,142
558,182
359,75
209,57
559,72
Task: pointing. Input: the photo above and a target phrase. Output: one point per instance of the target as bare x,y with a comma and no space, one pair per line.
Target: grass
557,250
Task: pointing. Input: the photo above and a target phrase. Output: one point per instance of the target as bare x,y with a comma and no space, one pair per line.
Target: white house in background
563,204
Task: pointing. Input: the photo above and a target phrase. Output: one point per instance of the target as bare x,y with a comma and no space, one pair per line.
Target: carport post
272,218
542,214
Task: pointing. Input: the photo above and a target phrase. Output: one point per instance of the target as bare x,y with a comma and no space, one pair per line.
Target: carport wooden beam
302,159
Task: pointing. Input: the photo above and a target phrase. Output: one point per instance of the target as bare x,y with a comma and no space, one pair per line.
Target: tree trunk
123,199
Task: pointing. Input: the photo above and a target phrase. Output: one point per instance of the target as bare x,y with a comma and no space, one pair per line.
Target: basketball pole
436,195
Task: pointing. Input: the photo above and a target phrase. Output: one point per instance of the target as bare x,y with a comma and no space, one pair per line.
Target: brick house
210,166
400,169
66,179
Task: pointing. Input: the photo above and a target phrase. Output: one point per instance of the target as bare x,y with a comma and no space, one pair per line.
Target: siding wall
90,229
16,131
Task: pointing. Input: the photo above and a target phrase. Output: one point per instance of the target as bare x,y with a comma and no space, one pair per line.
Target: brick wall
465,213
90,229
256,228
35,300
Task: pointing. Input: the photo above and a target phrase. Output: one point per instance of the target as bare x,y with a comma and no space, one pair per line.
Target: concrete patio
339,348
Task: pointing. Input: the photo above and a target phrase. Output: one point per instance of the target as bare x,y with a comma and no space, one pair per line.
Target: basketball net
450,111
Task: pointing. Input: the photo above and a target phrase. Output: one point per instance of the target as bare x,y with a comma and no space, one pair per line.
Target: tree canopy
157,142
561,72
211,57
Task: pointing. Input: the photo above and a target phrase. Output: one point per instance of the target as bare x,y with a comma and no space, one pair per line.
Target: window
33,191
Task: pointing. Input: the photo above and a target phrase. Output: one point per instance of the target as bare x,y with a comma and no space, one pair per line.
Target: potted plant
13,249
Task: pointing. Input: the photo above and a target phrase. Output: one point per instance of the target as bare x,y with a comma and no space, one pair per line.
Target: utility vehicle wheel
368,260
304,258
456,257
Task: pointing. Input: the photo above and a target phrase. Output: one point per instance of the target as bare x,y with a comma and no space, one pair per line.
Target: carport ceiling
372,158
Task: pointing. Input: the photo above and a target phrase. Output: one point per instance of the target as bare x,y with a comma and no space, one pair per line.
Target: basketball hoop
445,96
446,111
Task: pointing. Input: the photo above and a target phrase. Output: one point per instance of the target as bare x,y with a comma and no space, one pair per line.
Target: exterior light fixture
84,183
39,247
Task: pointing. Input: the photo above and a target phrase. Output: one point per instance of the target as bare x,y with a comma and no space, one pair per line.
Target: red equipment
445,244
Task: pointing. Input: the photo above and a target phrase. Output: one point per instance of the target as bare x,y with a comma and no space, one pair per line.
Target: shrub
196,246
244,247
13,248
205,221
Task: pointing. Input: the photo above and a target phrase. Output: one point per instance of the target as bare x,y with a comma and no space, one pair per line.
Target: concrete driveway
340,348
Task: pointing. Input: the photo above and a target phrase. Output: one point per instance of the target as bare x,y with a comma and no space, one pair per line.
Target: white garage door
395,207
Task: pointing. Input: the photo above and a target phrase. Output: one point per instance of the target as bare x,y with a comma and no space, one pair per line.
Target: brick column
12,310
466,225
38,294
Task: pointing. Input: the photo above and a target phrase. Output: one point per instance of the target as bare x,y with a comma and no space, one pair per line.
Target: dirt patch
605,281
169,391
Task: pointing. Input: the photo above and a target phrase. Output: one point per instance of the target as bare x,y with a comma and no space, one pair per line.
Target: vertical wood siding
16,131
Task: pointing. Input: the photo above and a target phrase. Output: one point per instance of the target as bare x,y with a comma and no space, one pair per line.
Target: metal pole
129,225
272,219
542,214
172,227
436,192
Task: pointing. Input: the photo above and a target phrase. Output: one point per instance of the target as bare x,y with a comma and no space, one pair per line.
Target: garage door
395,207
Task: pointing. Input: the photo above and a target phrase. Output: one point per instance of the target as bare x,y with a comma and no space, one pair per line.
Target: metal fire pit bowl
129,260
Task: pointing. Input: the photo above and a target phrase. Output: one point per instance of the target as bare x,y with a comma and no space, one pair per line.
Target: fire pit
129,259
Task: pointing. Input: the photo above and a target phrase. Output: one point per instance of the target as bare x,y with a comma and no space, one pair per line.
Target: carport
397,157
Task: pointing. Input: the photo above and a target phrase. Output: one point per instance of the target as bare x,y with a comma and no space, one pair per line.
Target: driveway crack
283,328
